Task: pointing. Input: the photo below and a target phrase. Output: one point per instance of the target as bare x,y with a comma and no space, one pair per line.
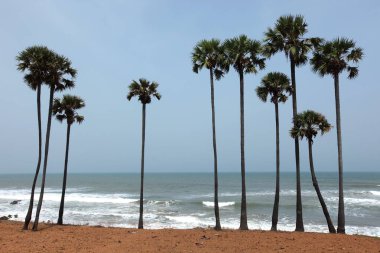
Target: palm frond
262,93
79,119
60,117
57,106
352,72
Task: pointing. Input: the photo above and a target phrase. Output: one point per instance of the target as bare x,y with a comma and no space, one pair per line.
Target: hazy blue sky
112,42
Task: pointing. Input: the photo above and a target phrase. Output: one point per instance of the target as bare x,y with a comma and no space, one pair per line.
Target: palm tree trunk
243,213
62,205
299,219
341,216
216,201
30,209
141,226
35,225
316,187
277,195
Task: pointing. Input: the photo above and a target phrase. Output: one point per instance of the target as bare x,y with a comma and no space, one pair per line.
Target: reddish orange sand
54,238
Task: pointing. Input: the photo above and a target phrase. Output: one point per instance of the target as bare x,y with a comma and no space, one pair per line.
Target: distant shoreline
69,238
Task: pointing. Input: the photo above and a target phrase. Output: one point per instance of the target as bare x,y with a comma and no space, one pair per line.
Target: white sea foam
55,196
221,204
287,193
268,193
104,216
184,219
188,222
87,198
376,193
185,222
357,201
362,202
161,202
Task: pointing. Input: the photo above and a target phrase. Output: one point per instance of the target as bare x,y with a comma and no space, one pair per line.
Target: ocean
185,200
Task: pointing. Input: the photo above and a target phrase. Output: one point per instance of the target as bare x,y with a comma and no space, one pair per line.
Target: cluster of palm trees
43,66
248,56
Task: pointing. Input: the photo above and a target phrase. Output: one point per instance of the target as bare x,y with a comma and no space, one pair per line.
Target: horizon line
175,172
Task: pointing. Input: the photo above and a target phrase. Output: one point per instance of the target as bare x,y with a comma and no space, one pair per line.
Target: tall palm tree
60,77
144,90
66,109
244,55
307,124
209,54
288,36
332,58
277,86
34,61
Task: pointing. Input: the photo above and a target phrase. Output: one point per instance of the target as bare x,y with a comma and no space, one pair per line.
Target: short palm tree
332,58
209,54
307,125
288,36
34,61
277,86
144,90
66,109
60,77
244,55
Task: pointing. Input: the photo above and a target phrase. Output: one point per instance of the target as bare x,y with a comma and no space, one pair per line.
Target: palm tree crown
307,124
287,37
333,57
61,74
276,85
244,54
65,109
210,54
144,90
35,61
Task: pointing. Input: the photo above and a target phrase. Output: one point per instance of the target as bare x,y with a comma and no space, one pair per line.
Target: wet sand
68,238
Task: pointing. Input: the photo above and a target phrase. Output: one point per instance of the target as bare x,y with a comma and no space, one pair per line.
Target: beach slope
54,238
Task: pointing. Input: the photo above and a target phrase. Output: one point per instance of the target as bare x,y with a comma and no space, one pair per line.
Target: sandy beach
54,238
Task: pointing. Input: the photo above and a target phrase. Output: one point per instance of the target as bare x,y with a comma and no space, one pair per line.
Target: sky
113,42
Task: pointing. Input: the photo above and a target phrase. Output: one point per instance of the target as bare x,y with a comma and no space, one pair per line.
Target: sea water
185,200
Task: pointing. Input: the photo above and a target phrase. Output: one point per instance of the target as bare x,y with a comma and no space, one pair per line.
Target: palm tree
288,36
65,109
34,61
144,90
209,54
244,55
332,58
275,85
308,124
60,77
